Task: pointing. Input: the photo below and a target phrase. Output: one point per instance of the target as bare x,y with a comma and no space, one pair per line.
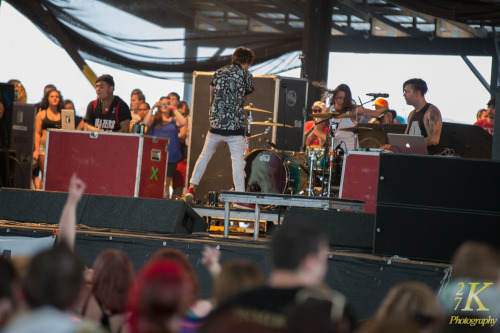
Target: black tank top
419,118
48,123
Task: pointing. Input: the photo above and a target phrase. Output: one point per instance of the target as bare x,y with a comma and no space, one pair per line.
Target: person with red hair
158,298
197,309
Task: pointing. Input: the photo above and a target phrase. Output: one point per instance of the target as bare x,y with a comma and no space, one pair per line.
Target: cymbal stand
248,138
310,189
333,126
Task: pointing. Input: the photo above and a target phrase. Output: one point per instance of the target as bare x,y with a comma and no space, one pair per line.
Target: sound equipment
22,142
343,229
112,212
428,205
284,97
466,140
17,126
150,215
35,206
377,137
7,100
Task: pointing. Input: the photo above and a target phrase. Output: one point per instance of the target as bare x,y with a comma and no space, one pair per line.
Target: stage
416,225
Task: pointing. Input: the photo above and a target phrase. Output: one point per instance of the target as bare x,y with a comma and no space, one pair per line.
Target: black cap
106,78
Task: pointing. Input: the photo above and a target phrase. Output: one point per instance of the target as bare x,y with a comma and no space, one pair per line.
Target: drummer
317,136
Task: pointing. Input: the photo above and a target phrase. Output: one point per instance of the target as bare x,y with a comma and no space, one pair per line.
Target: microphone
377,95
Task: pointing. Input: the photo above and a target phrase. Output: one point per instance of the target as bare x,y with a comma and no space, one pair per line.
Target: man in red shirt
489,122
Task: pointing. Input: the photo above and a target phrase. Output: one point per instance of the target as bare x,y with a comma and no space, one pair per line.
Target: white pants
237,144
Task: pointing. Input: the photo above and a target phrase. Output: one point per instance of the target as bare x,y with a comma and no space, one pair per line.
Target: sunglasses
316,110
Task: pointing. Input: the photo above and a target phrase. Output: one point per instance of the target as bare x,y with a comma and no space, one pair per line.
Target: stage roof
161,37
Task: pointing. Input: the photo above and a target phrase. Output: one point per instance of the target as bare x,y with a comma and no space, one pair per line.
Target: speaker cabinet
428,205
343,229
101,211
150,215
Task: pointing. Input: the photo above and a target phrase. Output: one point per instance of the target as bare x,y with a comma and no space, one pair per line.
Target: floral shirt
231,84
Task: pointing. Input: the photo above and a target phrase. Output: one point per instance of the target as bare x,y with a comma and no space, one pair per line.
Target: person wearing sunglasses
316,136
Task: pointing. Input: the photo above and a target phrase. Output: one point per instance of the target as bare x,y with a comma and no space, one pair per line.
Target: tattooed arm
433,124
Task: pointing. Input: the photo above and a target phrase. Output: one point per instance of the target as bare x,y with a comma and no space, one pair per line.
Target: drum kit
295,172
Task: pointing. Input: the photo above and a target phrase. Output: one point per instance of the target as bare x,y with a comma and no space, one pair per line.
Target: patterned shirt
231,84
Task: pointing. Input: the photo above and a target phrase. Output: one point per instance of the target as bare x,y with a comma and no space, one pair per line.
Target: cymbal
323,115
345,115
255,109
356,129
268,123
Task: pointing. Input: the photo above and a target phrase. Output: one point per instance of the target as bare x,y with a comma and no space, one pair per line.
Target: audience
179,179
43,105
158,299
135,101
411,302
166,123
113,275
488,123
481,114
9,281
479,264
197,309
299,255
108,112
20,94
48,118
233,277
50,289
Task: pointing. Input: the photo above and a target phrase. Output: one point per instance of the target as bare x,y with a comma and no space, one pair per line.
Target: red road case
131,165
360,178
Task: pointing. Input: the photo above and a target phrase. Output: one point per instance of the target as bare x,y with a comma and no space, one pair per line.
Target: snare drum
264,167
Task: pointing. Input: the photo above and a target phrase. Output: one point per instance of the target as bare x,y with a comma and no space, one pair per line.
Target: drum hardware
327,115
346,115
333,128
274,171
310,189
312,128
355,130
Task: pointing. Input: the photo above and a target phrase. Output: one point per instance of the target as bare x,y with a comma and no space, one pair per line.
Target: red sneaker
247,206
190,194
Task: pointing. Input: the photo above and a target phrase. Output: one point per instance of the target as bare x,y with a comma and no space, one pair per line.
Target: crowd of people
168,118
55,292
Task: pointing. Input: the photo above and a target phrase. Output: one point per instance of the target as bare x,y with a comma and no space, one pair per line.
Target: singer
228,88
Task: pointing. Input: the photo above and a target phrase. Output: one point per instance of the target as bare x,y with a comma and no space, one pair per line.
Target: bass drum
264,168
